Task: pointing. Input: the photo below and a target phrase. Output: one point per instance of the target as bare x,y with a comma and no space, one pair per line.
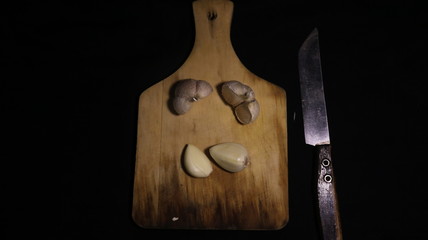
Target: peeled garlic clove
232,157
181,105
196,162
234,93
247,112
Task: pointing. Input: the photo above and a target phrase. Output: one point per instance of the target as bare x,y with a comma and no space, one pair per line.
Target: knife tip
314,32
309,39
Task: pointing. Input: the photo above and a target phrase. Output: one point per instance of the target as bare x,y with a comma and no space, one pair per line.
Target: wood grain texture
164,195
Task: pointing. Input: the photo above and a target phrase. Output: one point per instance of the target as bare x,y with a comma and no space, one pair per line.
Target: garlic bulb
196,162
242,99
232,157
188,91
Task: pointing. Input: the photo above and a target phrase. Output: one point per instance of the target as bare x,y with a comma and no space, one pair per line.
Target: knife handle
327,198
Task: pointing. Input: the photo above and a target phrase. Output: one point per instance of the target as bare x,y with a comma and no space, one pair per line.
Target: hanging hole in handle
212,15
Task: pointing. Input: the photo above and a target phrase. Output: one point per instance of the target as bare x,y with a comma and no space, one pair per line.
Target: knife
316,131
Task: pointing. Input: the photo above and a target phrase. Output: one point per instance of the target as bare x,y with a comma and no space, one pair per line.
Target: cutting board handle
213,20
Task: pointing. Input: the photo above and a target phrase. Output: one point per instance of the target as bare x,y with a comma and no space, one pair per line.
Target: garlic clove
203,89
232,157
196,162
192,89
247,112
234,93
181,105
186,89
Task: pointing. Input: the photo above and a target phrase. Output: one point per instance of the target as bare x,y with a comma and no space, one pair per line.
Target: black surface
72,74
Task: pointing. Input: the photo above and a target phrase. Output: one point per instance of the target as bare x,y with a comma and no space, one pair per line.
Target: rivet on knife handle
327,198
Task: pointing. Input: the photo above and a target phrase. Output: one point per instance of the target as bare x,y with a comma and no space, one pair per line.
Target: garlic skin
181,105
247,112
196,163
232,157
203,89
188,91
242,99
235,92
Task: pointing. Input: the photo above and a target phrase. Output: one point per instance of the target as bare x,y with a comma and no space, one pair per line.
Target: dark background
73,72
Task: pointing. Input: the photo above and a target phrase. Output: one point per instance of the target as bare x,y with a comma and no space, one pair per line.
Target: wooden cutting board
165,196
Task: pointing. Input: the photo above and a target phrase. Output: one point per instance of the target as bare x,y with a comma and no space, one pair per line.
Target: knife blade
315,124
